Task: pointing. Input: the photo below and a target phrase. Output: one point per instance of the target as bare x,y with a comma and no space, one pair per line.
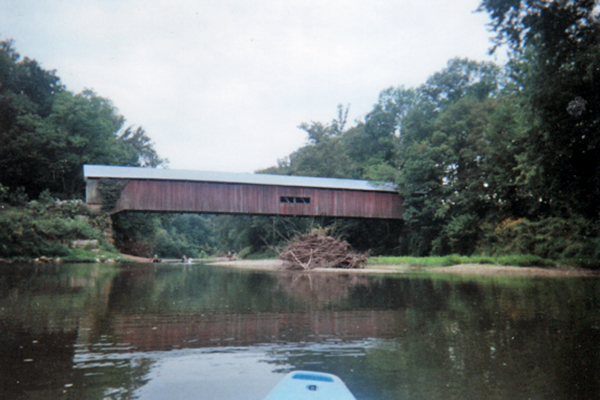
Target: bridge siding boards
253,199
165,195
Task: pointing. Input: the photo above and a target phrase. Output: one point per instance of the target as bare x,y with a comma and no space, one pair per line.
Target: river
101,331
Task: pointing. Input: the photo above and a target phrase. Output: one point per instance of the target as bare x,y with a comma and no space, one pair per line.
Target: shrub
524,260
44,227
138,248
547,238
245,252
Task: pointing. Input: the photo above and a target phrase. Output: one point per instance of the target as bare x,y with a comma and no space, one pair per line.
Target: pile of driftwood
317,250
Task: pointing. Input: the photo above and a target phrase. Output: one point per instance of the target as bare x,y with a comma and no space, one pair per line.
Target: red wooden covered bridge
166,190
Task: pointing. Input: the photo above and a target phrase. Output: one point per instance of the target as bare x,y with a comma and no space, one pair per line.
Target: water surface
99,331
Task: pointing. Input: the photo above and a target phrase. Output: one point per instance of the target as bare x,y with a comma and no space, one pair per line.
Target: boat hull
306,385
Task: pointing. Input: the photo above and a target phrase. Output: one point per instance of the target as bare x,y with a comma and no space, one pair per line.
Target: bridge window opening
294,200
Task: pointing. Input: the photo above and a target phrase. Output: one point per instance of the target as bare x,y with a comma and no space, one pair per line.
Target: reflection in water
233,373
193,331
320,290
167,332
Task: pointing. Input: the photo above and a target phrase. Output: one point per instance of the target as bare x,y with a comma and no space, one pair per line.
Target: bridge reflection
167,332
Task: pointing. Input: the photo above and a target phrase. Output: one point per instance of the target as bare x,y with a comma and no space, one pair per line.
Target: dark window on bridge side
294,200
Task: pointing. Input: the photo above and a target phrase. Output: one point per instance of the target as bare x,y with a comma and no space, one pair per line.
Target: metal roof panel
107,171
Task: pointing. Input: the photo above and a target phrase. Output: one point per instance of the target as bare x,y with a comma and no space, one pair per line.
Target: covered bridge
166,190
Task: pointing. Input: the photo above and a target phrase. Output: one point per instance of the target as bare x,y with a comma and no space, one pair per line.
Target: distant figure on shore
184,258
156,259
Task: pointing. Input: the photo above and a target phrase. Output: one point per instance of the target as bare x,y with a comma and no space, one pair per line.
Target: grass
455,259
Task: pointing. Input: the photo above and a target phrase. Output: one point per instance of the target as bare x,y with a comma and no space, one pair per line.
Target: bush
245,252
173,244
547,238
138,248
45,227
526,260
202,254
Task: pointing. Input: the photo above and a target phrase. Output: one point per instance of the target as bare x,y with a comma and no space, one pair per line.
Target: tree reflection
320,290
48,315
95,331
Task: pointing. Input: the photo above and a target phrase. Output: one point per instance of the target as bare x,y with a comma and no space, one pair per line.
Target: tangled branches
317,250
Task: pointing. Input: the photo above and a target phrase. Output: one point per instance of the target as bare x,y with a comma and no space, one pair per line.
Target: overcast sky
221,85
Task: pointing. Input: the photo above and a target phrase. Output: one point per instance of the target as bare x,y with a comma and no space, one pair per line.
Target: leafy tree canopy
555,58
48,133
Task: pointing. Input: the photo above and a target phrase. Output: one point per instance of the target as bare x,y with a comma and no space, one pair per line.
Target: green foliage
525,260
555,60
440,152
172,244
460,234
552,238
168,236
47,227
504,163
236,232
455,259
48,133
383,172
133,232
373,236
476,145
19,236
110,191
142,144
325,155
265,254
18,197
184,234
417,261
244,253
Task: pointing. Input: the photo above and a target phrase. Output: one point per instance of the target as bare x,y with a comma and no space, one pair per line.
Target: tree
325,155
24,86
26,95
440,153
143,146
555,56
504,144
50,152
460,78
184,234
371,144
48,133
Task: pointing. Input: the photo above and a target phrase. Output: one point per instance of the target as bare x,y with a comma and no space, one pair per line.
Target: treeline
48,133
489,159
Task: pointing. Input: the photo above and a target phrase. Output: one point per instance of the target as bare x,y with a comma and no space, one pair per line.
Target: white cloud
222,85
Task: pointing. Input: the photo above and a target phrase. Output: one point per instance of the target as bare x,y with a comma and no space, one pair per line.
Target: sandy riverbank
149,260
477,269
278,265
465,269
462,269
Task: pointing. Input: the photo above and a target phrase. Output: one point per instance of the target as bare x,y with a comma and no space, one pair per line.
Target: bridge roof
106,171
